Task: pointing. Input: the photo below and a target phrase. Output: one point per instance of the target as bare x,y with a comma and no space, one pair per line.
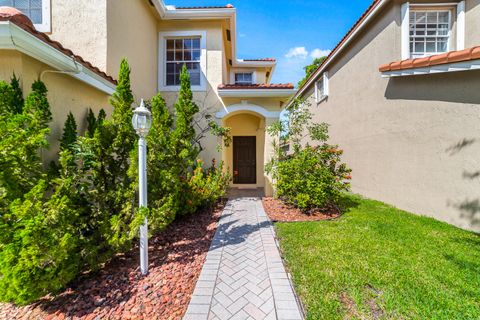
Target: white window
321,88
427,28
180,52
179,48
429,32
244,78
37,10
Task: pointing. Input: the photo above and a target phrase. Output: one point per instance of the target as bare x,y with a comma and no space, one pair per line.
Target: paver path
243,276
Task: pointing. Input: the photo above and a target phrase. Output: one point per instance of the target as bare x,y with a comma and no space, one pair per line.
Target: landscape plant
53,227
310,174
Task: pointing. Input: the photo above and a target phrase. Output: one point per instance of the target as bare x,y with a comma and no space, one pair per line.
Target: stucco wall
82,27
411,141
472,22
65,94
132,34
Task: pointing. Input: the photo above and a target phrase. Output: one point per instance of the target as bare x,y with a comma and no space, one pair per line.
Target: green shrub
311,176
53,229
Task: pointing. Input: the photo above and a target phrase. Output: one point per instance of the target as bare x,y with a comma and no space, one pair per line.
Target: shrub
311,176
69,136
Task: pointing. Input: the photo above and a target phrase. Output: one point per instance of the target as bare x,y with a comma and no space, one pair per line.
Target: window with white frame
180,52
244,78
429,32
37,10
321,88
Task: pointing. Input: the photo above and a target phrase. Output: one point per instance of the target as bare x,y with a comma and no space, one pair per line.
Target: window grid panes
31,8
429,32
321,89
243,78
183,51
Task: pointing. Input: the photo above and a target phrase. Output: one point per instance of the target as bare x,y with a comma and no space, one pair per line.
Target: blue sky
280,29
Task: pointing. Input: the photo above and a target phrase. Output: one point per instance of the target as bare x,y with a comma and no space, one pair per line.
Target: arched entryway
246,155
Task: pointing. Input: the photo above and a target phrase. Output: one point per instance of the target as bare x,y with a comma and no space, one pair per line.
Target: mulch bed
118,291
278,211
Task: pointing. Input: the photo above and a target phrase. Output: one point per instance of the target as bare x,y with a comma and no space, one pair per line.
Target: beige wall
132,34
472,22
65,94
82,27
411,141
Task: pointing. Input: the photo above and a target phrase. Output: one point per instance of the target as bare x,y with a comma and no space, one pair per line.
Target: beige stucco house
157,40
401,92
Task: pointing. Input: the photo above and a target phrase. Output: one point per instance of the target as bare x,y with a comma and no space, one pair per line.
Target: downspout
77,71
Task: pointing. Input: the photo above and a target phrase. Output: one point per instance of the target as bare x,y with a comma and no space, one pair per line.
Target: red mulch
117,291
278,211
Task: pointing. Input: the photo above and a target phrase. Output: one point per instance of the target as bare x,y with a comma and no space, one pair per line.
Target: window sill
323,98
177,88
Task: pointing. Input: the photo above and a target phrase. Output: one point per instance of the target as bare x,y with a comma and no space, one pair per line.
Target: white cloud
318,53
297,52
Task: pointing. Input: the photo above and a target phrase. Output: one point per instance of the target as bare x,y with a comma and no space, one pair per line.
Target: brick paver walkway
243,276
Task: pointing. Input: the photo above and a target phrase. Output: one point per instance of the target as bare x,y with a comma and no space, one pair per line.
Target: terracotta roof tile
439,59
255,86
19,19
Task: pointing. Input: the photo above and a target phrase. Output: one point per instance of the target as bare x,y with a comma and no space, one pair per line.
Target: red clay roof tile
439,59
19,19
228,6
261,59
255,86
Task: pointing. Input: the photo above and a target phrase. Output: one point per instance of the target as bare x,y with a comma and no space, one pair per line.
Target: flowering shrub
312,176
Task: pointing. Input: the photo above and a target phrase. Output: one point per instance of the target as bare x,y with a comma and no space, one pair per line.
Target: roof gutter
15,38
338,50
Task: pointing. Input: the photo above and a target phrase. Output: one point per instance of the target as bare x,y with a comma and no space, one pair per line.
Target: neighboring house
410,129
158,40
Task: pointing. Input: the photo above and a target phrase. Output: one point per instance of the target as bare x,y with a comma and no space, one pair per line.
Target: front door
244,160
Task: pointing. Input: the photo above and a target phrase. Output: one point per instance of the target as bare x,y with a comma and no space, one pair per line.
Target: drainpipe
76,71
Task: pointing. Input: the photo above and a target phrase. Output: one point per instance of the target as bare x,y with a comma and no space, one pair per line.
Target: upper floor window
179,48
183,51
244,78
321,88
429,32
37,10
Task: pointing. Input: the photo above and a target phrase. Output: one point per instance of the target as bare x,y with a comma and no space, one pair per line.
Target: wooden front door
244,160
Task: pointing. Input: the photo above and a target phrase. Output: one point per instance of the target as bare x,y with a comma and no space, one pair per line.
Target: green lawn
378,262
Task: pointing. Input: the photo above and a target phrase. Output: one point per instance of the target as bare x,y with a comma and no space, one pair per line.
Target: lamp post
142,122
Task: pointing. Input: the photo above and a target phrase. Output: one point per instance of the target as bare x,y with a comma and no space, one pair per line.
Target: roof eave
13,37
311,80
441,68
256,93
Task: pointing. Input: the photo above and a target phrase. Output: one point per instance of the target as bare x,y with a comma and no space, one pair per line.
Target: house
158,40
401,92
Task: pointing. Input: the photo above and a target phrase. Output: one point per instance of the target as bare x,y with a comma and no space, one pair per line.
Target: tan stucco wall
65,94
132,34
82,27
411,141
472,22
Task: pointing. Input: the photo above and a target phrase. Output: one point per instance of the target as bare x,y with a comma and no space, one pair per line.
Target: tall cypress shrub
69,136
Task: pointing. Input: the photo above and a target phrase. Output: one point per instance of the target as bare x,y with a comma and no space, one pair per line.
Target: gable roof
358,26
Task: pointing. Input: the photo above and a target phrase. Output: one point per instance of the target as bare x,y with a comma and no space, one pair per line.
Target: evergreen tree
69,136
37,105
91,124
101,117
184,132
17,103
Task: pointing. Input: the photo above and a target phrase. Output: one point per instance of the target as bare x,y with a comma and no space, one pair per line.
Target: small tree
91,123
310,69
69,136
17,101
312,176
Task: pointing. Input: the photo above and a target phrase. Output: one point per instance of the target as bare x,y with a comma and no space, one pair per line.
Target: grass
378,262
